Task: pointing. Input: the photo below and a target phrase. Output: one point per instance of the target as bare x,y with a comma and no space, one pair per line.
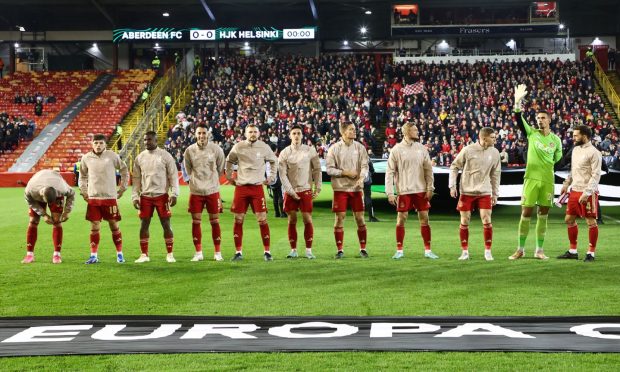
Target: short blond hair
344,126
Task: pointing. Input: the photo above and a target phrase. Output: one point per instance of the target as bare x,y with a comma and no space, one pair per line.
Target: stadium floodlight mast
166,14
21,28
345,43
368,12
363,30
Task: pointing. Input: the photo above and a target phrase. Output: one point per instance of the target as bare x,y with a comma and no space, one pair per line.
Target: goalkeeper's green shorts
536,192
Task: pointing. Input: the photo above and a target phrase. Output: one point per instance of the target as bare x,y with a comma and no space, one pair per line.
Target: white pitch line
613,219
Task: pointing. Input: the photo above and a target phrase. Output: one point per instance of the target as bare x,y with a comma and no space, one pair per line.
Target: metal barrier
607,87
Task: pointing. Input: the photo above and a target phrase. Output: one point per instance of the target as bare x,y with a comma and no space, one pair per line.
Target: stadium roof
336,19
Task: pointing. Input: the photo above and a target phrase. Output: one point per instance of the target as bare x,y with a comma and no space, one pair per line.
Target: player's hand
173,201
48,219
454,193
349,174
392,199
360,183
583,198
136,204
64,217
232,182
520,93
315,193
493,200
429,195
564,189
120,193
293,195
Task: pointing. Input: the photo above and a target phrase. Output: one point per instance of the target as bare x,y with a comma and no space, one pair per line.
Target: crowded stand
316,93
460,98
456,100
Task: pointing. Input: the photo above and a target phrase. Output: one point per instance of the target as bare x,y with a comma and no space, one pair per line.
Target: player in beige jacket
250,157
410,169
45,189
154,176
300,170
347,164
583,179
204,163
481,168
98,188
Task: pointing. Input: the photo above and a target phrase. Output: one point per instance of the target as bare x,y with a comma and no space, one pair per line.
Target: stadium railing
607,87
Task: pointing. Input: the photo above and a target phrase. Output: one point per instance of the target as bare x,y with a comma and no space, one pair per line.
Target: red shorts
102,209
55,207
304,204
252,195
468,203
408,202
212,202
344,199
589,209
149,204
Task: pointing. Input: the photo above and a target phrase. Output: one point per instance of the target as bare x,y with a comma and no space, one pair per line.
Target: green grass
374,287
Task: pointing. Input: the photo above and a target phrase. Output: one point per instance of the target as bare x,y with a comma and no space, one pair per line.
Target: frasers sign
140,334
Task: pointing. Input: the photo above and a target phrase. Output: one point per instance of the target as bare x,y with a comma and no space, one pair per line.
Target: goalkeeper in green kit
544,150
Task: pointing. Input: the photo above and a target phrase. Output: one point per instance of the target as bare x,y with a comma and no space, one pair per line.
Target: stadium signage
109,335
224,33
546,29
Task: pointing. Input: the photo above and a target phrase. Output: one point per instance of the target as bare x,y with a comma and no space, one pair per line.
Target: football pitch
378,286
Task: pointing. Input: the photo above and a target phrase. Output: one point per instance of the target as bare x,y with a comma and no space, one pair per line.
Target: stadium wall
474,59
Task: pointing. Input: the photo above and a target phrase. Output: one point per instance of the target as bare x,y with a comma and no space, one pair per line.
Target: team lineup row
409,186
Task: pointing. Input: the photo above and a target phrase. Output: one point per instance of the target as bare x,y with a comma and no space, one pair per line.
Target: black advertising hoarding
195,334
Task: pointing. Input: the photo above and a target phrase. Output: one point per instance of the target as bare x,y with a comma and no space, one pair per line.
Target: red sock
144,245
264,233
339,236
425,230
593,235
464,234
292,235
169,243
400,237
197,235
216,234
238,235
488,235
117,238
361,235
57,237
31,237
573,232
308,234
94,241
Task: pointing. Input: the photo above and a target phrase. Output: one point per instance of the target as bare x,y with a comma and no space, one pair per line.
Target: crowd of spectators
14,129
275,94
461,98
458,99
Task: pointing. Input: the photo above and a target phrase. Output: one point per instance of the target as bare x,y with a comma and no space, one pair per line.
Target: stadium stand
101,116
18,95
460,98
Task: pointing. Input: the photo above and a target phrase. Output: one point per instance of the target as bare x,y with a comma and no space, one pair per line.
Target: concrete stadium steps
608,106
101,116
65,86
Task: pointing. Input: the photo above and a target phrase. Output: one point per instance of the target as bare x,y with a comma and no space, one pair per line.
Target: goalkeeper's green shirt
542,153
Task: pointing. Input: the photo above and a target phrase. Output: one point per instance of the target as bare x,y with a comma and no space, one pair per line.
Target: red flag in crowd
416,88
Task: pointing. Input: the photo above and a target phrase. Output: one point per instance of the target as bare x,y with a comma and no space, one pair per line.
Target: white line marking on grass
613,219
